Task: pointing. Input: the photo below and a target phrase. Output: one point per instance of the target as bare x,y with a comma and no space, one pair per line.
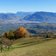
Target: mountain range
12,17
47,17
33,21
35,17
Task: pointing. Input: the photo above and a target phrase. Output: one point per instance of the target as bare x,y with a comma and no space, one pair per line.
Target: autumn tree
21,32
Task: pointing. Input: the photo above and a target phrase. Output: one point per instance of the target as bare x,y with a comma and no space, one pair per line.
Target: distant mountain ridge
23,14
48,17
12,17
35,22
41,17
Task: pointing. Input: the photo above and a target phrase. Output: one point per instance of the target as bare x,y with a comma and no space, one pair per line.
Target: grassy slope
47,48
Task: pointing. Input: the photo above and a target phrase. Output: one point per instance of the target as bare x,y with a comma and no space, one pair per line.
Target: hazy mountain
7,16
23,14
36,22
48,17
12,17
27,17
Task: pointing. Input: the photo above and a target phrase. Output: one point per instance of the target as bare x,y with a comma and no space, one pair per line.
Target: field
32,48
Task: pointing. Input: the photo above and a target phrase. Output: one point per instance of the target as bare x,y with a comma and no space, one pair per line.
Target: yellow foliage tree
21,32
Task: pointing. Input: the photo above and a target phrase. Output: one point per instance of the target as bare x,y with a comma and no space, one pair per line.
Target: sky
27,5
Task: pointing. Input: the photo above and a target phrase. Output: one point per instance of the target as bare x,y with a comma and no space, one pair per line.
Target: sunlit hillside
47,48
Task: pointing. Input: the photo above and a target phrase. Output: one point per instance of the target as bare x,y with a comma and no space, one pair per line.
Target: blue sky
27,5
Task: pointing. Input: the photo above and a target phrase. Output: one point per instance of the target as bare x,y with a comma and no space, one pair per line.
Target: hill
6,18
47,48
32,27
48,17
38,21
23,14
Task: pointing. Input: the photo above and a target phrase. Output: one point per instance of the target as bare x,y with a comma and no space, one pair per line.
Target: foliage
19,33
9,35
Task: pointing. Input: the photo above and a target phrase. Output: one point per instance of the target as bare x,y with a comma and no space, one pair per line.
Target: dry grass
47,48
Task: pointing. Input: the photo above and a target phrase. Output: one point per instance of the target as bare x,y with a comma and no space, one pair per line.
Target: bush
9,35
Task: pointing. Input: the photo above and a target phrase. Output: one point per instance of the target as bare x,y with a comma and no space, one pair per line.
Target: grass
32,47
24,42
